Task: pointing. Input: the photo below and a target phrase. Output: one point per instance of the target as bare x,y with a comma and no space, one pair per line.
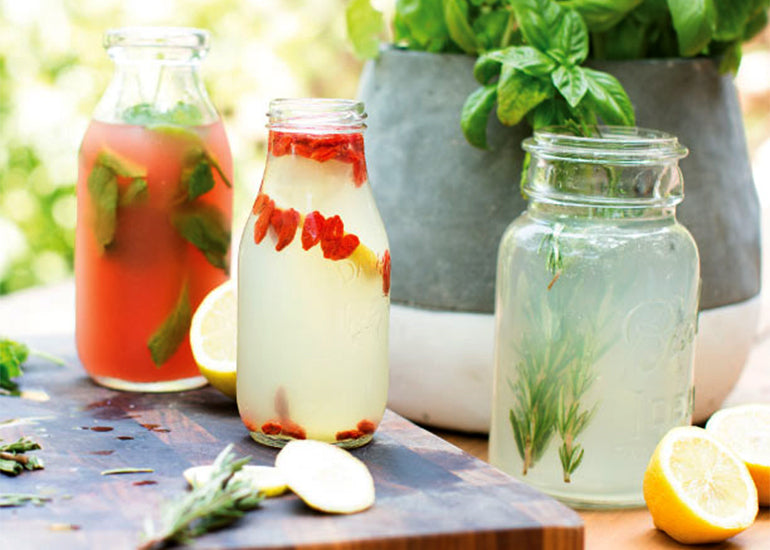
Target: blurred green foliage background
53,71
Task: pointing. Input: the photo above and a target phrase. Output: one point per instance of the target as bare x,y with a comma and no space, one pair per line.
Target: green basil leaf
539,21
12,356
422,24
490,28
486,69
601,15
731,19
205,227
626,40
694,22
103,193
571,83
731,58
571,39
653,11
526,59
173,331
551,112
365,25
460,31
755,24
135,193
475,115
607,98
518,93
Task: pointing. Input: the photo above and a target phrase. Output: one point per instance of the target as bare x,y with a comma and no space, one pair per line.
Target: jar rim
316,114
190,38
612,144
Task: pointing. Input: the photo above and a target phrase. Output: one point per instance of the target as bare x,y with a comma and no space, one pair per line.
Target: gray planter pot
446,204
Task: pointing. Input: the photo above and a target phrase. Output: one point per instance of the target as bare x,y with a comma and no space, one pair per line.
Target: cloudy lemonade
313,292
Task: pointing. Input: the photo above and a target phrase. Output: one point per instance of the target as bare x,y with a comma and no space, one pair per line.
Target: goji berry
349,434
263,221
259,203
251,426
331,236
366,426
285,224
294,430
312,229
271,428
385,268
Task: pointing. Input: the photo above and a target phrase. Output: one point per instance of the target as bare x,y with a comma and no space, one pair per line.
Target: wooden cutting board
430,494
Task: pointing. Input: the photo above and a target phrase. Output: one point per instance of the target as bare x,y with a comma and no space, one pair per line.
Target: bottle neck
334,151
563,211
162,87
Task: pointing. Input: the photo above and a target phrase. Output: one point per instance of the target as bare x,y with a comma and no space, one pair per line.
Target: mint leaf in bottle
206,228
104,192
172,332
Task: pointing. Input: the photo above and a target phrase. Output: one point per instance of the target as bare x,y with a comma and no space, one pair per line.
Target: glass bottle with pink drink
154,210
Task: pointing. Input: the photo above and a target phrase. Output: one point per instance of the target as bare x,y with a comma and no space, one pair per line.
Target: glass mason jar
596,313
313,283
154,211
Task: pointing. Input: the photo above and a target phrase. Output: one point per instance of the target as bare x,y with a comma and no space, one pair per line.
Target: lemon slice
326,477
263,479
212,337
746,430
697,490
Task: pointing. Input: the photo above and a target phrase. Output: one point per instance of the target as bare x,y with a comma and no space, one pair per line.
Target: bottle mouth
604,166
616,145
316,115
156,43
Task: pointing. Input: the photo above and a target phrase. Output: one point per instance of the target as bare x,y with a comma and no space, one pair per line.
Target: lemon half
212,337
746,430
697,490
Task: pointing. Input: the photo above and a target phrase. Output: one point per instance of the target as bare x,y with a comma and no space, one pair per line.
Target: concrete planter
446,205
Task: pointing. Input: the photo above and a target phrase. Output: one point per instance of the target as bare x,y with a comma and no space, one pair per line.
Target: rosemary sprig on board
216,503
13,459
12,500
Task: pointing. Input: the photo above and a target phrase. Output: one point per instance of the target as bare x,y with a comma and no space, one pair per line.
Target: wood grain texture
430,495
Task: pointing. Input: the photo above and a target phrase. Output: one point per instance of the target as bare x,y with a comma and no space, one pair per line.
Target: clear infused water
594,350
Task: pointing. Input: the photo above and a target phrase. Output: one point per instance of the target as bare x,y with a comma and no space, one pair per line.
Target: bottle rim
188,38
316,115
617,145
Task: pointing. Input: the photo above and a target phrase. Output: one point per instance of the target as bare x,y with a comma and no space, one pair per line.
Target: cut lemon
746,430
697,490
263,479
212,337
326,477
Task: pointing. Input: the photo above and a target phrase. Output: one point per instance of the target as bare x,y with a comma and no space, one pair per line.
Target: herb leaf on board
172,332
218,502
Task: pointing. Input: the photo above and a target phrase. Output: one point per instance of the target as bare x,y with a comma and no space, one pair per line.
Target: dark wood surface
430,494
